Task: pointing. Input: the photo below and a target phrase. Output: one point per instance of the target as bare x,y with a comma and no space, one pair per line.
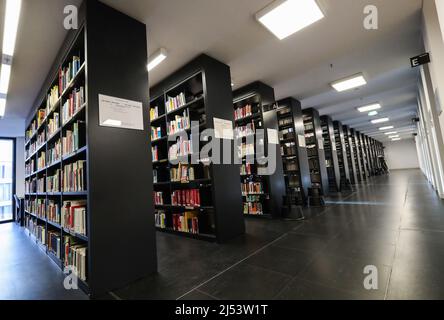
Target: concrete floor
393,223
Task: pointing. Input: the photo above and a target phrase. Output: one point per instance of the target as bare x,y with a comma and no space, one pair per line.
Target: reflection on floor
395,224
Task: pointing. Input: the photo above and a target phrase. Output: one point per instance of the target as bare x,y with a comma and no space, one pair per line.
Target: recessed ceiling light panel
2,107
396,139
373,113
380,120
386,128
390,133
348,83
156,58
285,17
370,107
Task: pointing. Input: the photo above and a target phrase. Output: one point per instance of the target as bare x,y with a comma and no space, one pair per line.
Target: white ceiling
301,66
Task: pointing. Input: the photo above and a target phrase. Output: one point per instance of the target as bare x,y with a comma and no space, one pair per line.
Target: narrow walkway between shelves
26,272
395,223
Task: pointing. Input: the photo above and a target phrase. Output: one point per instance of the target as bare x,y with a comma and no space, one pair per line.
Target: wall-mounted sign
420,60
120,113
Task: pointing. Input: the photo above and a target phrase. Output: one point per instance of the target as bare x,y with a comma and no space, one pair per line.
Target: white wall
11,128
20,166
401,154
433,42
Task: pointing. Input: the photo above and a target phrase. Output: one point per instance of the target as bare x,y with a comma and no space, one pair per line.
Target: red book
198,197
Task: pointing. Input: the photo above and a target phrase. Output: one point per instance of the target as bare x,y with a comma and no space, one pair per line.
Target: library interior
221,150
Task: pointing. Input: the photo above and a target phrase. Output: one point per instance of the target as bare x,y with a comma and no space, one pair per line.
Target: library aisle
393,222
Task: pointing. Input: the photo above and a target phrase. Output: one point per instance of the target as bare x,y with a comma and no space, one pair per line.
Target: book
174,103
75,256
74,216
186,198
74,177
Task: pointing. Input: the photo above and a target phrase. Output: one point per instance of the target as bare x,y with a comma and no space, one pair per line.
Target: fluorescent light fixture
2,107
396,139
380,120
114,123
285,17
156,58
354,81
386,128
11,25
4,78
393,137
390,133
373,113
370,107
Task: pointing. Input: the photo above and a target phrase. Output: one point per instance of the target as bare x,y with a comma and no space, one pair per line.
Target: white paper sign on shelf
120,113
321,144
223,129
273,137
301,139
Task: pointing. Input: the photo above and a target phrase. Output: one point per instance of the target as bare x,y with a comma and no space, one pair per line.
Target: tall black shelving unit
293,151
258,102
331,154
315,150
369,155
357,155
117,208
363,157
341,147
196,198
348,138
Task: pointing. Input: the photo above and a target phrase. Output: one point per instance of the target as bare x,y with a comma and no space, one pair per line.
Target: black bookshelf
363,156
114,200
259,99
196,198
331,154
315,150
341,141
293,151
368,150
350,154
357,155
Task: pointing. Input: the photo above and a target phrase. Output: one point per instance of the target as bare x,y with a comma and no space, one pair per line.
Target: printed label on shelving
223,129
120,113
301,139
273,137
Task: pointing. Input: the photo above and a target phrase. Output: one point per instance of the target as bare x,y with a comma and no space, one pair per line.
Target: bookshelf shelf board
54,224
74,116
40,171
75,193
76,235
185,106
162,161
40,147
53,194
74,154
53,164
56,134
161,117
199,236
248,118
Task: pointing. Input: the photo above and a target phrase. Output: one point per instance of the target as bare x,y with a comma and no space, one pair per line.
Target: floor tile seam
233,265
207,294
327,286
